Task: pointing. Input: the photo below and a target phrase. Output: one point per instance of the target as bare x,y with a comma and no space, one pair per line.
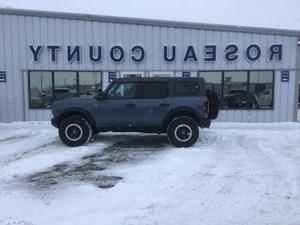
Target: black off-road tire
183,131
75,131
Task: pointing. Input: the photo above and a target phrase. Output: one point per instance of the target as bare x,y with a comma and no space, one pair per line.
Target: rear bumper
54,122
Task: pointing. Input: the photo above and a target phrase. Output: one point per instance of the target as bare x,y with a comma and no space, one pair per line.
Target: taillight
206,107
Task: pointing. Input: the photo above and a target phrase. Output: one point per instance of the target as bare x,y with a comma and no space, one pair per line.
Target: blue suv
175,106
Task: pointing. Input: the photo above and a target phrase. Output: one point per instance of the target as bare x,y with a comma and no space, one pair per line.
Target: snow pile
235,174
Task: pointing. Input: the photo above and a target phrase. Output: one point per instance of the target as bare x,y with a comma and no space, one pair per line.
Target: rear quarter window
187,88
153,90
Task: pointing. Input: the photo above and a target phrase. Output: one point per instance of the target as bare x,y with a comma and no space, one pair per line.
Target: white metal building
46,56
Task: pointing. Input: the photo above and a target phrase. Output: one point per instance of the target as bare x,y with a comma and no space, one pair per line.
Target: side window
40,89
187,88
122,91
154,90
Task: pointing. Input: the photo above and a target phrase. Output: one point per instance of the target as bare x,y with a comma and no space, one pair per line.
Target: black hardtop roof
149,79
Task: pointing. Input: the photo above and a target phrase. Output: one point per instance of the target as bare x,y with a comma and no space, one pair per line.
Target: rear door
190,94
153,103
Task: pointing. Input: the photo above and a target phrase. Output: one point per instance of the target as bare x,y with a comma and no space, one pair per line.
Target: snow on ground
236,174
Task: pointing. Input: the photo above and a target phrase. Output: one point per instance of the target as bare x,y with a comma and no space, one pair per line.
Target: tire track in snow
269,174
265,175
32,152
206,186
30,146
14,147
283,181
14,138
231,179
230,176
212,183
43,159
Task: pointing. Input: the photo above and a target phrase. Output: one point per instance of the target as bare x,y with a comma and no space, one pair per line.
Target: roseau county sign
137,53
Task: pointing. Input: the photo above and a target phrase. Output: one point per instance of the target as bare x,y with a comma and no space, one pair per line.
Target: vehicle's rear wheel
75,131
183,131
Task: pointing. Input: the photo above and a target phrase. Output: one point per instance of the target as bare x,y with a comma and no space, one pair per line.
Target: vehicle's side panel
118,113
196,104
152,111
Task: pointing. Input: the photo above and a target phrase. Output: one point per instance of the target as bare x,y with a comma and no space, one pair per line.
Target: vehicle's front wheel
183,131
75,131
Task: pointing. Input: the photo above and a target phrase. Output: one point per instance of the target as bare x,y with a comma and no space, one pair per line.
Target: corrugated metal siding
18,32
298,56
298,80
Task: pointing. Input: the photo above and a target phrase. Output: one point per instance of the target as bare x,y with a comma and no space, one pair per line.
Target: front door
118,108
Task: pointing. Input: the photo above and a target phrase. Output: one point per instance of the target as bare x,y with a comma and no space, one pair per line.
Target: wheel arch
181,111
77,112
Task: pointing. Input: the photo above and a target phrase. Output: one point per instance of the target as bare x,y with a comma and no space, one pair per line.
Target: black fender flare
181,111
77,111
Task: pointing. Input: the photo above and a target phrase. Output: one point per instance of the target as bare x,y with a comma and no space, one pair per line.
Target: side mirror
100,94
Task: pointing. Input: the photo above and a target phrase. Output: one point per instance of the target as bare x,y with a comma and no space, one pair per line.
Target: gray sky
283,14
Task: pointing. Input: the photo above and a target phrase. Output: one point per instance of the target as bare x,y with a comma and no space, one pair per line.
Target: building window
65,85
40,89
241,89
235,89
89,83
46,87
161,74
213,82
131,74
261,89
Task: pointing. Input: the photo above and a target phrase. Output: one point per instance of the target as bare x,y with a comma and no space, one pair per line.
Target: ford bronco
163,105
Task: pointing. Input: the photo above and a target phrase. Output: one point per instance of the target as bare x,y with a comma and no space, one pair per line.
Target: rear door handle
164,104
130,105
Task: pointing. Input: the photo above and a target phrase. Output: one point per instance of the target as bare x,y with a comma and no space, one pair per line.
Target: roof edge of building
150,22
